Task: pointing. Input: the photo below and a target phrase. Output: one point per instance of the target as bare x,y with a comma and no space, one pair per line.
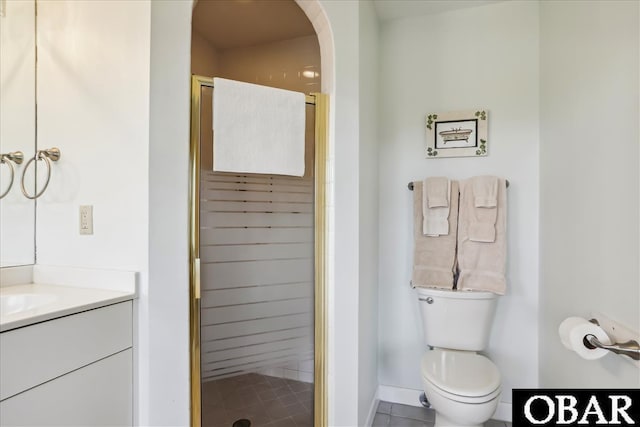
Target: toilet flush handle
429,300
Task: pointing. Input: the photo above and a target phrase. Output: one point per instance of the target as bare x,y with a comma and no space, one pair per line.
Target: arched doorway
256,363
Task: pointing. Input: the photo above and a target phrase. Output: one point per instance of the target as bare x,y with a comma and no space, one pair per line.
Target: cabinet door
99,394
38,353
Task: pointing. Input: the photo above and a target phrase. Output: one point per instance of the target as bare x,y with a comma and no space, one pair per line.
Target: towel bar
410,185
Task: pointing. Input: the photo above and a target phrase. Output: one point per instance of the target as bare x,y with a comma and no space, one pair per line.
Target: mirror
17,127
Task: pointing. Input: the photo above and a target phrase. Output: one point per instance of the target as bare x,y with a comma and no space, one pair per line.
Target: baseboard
405,396
411,397
372,410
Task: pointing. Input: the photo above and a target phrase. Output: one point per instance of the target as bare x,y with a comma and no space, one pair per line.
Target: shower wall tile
306,366
290,374
306,377
257,274
289,64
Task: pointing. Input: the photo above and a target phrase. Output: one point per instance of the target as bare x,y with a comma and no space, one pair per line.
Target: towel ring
52,154
10,158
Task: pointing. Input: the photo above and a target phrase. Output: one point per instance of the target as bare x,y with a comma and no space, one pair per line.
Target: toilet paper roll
572,332
565,329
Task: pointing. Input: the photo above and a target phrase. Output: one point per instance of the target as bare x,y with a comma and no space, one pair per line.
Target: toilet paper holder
629,348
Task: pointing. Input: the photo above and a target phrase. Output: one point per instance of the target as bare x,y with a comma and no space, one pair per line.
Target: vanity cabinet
73,370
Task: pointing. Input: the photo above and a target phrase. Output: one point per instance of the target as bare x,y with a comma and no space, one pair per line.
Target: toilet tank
459,320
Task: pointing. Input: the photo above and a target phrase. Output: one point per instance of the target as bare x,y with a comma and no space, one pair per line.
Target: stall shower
256,231
257,271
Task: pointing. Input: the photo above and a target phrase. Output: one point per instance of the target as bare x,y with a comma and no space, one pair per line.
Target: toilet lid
460,373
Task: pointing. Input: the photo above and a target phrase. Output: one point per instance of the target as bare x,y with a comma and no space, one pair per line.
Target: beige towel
482,264
434,257
485,196
485,191
436,193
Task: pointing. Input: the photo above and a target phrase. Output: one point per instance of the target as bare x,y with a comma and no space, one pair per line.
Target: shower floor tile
265,401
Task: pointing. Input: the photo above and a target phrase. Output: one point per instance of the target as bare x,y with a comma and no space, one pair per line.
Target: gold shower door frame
321,102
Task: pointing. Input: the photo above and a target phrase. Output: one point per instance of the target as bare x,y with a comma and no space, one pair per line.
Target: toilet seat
461,376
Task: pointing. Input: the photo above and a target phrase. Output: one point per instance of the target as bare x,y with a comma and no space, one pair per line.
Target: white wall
165,398
368,194
343,276
589,162
93,103
483,57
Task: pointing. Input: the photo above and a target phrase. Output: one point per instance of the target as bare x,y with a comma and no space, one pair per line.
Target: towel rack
410,185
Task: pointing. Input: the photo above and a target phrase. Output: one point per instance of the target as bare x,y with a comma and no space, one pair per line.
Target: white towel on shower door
257,129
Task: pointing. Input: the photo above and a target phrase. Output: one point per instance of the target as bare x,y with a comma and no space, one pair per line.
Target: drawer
34,354
99,394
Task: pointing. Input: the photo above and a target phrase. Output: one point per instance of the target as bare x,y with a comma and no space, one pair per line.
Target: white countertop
56,301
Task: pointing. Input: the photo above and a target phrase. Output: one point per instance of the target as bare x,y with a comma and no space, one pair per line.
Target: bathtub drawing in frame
457,134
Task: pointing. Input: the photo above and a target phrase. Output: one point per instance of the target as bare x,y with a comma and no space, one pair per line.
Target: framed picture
457,134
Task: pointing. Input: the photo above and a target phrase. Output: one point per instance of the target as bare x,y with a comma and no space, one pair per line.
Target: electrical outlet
86,219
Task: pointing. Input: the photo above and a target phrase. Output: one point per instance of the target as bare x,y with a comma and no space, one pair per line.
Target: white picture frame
457,134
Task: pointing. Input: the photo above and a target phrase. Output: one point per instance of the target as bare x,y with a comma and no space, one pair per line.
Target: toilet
462,386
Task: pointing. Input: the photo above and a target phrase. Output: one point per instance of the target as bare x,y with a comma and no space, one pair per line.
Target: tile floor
397,415
277,402
265,401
